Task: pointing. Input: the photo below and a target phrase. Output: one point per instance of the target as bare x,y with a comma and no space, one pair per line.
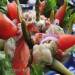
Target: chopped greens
37,70
3,4
5,65
50,5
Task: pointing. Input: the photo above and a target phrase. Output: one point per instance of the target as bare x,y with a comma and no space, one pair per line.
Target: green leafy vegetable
5,65
3,4
69,22
50,5
69,19
37,70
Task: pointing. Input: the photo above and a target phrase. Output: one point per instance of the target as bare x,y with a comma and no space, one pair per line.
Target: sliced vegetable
66,41
3,9
12,10
5,64
41,54
55,30
50,5
32,28
61,12
36,69
21,58
60,68
9,47
3,4
7,27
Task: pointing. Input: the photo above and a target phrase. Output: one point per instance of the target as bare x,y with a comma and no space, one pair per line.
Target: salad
32,41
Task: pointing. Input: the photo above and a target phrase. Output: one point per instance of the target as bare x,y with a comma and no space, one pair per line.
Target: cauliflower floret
10,46
55,29
42,54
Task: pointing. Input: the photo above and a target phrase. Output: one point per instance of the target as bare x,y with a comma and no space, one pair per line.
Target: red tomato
61,12
12,11
66,41
7,27
21,57
32,28
23,72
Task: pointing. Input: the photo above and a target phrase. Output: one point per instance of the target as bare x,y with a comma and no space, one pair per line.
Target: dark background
59,2
25,1
21,1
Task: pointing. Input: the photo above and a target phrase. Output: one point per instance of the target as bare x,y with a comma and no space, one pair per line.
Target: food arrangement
34,40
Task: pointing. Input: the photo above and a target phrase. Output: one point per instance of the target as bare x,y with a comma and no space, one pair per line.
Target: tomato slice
21,57
66,41
12,11
7,27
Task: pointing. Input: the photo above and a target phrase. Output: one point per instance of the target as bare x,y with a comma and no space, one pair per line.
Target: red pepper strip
66,41
7,27
32,28
12,11
21,58
61,12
